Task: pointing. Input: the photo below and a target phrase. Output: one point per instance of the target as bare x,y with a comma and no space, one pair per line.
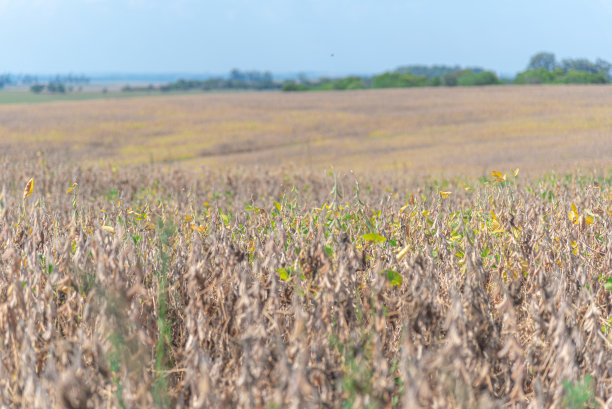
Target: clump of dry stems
151,286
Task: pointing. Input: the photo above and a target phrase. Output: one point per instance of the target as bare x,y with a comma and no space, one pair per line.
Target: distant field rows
466,130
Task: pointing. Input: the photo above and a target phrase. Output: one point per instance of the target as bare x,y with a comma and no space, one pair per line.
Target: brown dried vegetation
152,286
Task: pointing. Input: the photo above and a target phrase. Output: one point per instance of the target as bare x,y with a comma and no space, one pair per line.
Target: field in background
466,130
17,97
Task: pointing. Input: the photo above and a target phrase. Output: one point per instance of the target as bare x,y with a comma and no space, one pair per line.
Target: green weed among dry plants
161,287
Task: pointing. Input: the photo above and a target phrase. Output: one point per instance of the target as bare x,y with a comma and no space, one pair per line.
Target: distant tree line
433,71
52,87
403,77
236,80
543,68
144,88
58,84
34,81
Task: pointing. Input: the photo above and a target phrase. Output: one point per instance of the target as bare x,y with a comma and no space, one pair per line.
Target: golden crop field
212,251
445,131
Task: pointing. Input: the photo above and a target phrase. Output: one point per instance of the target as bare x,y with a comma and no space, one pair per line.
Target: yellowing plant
498,177
29,188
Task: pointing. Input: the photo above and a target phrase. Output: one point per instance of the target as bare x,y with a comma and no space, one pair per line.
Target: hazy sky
364,36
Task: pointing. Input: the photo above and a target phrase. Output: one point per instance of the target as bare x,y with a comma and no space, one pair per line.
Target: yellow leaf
72,187
497,228
445,194
108,229
573,214
498,176
29,188
589,220
468,189
516,172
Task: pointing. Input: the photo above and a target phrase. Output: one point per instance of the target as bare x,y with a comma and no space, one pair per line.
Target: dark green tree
542,60
604,67
56,88
581,77
450,79
37,88
468,78
535,76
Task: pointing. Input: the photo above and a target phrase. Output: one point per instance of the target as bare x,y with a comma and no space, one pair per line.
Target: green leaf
374,237
283,274
328,250
608,284
225,218
394,277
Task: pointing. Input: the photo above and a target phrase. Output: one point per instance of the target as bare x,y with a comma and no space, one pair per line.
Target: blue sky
364,36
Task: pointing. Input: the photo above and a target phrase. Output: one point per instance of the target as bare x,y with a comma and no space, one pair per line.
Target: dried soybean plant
157,286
